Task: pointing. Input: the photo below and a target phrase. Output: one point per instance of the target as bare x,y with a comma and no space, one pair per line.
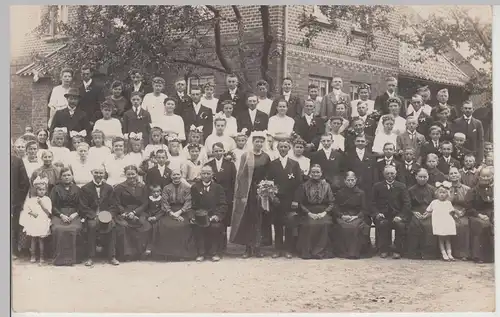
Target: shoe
14,257
33,259
147,252
258,253
464,259
288,255
451,257
445,257
275,255
396,256
42,261
200,259
383,255
246,255
114,262
89,262
215,258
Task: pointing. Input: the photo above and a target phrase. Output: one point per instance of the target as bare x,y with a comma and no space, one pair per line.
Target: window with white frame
57,14
323,84
199,81
353,90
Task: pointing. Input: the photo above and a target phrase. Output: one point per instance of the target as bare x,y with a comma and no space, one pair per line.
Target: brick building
329,56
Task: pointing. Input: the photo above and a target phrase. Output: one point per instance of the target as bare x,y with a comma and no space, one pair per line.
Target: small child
98,153
60,153
435,175
446,161
192,167
219,135
443,224
35,217
297,154
153,211
241,139
469,173
176,159
195,136
111,127
155,143
231,124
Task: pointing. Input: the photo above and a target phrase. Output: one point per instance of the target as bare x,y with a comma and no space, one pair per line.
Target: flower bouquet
266,190
230,156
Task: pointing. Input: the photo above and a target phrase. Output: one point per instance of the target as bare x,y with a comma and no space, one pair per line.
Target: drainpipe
285,43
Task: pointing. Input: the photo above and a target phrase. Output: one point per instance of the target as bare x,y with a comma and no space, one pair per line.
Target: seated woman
316,205
461,242
132,226
353,222
421,243
66,223
173,235
480,209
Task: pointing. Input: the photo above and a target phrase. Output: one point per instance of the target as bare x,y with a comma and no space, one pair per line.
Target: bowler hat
201,218
72,92
104,221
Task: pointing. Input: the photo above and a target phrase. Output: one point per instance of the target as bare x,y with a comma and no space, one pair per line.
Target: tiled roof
436,68
53,59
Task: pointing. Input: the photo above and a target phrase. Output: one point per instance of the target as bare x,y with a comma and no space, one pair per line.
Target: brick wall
20,101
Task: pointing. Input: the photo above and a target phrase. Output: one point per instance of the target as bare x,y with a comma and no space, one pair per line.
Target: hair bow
64,130
219,115
82,133
40,180
259,134
445,184
133,136
197,129
172,138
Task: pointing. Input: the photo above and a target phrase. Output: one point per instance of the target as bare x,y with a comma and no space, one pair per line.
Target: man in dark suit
72,118
234,93
370,121
287,176
389,158
336,96
137,85
137,120
92,95
390,210
160,174
252,119
310,127
410,167
361,161
442,98
473,130
19,187
182,99
198,115
446,161
208,198
97,196
331,162
358,129
381,101
295,103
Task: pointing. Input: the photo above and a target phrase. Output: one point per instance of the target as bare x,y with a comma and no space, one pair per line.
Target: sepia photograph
251,158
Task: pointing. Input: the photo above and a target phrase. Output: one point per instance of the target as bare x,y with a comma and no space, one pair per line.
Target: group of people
141,174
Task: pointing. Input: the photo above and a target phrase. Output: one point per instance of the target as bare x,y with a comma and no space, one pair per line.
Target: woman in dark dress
66,224
480,209
316,199
132,226
461,241
353,227
442,116
47,170
421,243
246,221
173,234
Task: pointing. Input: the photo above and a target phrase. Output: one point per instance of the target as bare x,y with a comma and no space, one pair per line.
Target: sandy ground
256,285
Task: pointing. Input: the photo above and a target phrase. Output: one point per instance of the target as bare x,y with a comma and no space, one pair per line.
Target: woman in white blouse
297,154
116,163
170,123
57,101
111,127
264,103
386,136
231,123
82,166
219,135
208,99
280,126
399,122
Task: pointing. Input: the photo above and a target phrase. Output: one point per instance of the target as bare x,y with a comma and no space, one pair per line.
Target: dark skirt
353,237
131,237
460,243
250,230
420,241
174,238
314,239
64,237
481,239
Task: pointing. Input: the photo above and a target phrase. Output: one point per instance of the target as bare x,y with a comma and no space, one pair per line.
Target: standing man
252,119
331,162
332,99
442,97
316,99
208,203
92,95
97,196
381,101
19,187
390,210
364,94
182,100
473,130
72,118
418,111
310,127
295,103
233,93
197,114
361,161
137,85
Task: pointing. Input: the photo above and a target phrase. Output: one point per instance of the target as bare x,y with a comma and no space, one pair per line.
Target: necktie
206,188
411,137
389,186
408,167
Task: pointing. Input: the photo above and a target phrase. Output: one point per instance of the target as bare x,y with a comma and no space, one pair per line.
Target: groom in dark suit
92,95
295,102
381,101
287,176
235,94
251,118
197,114
310,127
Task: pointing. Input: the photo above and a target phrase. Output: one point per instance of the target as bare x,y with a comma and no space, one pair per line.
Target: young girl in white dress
443,223
175,158
98,152
231,123
241,139
196,136
111,127
280,126
60,153
385,136
135,155
192,167
155,142
35,217
116,163
219,136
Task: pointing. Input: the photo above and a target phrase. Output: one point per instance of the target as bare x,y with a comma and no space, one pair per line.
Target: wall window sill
54,38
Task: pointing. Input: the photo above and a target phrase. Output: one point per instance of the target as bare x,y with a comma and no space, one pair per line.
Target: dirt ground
263,285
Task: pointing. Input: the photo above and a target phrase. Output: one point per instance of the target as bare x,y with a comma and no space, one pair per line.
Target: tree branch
241,47
218,43
266,47
486,43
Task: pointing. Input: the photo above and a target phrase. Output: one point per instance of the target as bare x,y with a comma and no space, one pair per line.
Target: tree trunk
266,47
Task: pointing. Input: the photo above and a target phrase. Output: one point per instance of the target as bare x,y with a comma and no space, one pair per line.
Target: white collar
233,92
287,93
447,159
206,184
327,151
155,199
467,118
283,158
161,167
219,161
389,159
197,105
137,85
310,116
86,84
336,91
409,163
360,150
390,94
97,185
180,93
363,117
387,183
252,110
71,109
313,99
412,133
